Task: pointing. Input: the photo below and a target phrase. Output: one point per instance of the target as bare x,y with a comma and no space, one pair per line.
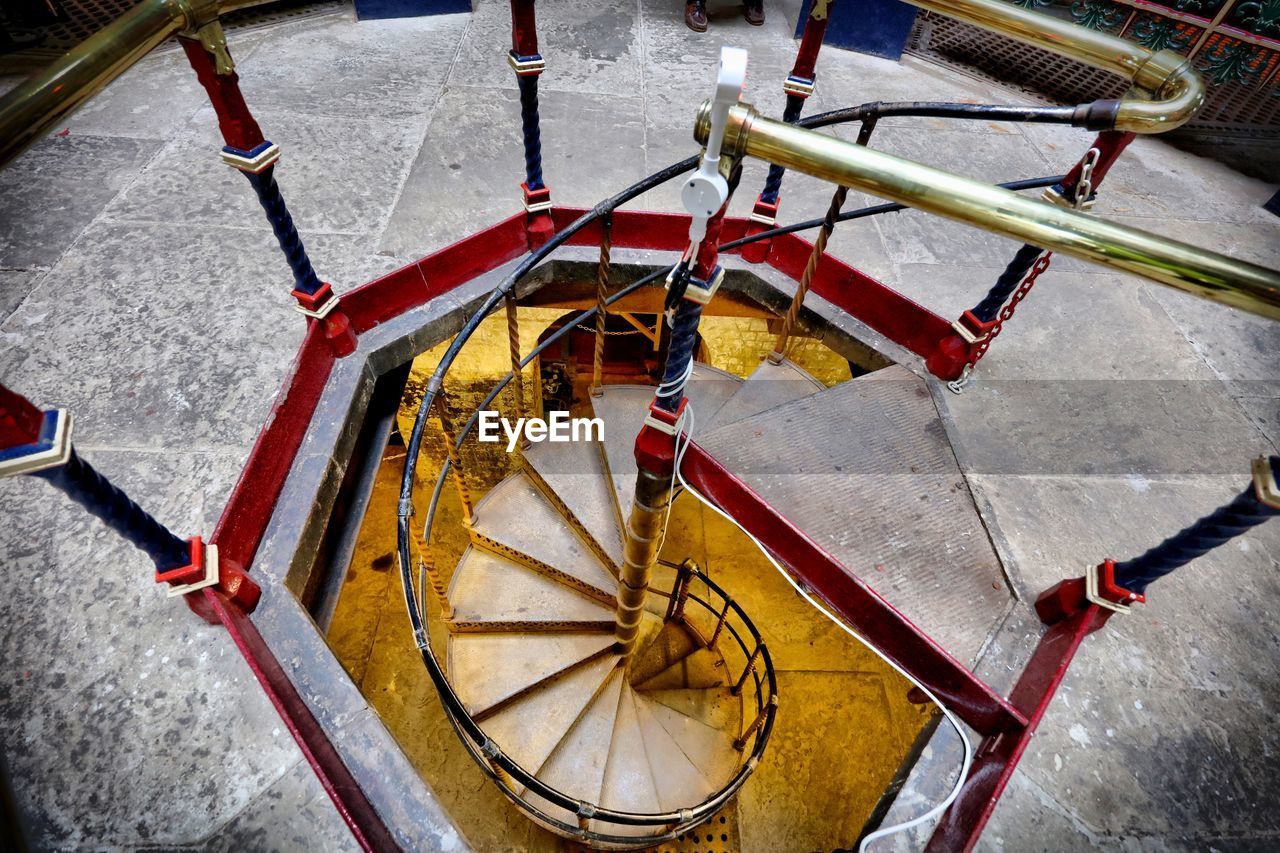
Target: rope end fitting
1264,481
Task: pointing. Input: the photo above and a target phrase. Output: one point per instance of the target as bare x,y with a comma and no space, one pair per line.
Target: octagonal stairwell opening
845,730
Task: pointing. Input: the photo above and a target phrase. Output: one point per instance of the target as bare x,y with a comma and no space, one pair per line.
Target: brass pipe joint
1166,90
1179,265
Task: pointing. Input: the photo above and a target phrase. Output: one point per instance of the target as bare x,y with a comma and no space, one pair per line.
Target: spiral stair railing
488,756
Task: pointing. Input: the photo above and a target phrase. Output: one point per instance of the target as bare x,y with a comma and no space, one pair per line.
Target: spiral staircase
531,649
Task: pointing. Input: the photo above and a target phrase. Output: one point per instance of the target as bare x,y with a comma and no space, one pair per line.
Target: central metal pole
656,443
639,553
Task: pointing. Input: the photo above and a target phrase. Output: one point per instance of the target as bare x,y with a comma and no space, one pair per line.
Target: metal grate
1247,108
83,18
718,835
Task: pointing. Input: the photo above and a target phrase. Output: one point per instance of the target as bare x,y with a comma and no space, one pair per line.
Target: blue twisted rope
1223,524
684,337
773,183
264,184
532,132
84,485
1007,283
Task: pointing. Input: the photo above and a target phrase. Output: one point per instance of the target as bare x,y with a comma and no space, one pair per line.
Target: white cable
675,386
951,718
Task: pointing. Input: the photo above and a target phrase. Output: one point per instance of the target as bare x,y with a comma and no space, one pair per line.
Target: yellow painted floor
844,724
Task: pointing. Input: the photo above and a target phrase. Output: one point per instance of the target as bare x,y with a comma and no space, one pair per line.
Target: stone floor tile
595,48
381,69
293,814
14,287
1117,328
326,187
184,347
1028,820
1145,428
56,188
152,100
1153,179
468,173
1235,344
124,677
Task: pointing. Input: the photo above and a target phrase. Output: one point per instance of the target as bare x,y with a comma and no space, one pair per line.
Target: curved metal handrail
1180,265
42,101
483,750
1166,89
492,763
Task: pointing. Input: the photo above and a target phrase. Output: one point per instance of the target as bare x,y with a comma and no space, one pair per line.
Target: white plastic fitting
706,190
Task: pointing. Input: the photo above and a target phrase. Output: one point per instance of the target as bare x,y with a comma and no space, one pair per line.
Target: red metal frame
1006,723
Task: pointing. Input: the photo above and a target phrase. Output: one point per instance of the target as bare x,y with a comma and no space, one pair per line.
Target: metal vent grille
83,18
1230,106
718,835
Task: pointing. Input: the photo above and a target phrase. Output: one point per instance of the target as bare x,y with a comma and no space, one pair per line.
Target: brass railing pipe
41,103
1167,89
1179,265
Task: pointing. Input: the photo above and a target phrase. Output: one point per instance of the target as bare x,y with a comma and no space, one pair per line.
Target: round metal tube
640,552
1169,88
41,102
1179,265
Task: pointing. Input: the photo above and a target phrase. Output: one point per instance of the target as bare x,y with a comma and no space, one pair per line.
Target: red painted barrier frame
1006,724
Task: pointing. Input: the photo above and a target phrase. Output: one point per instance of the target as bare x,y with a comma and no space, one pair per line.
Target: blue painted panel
877,27
368,9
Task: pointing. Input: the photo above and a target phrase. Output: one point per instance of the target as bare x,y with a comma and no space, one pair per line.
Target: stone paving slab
590,48
328,186
57,188
468,175
382,69
103,667
14,287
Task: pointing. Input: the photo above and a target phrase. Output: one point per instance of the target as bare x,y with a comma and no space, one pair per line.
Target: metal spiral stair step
707,748
491,593
628,777
768,386
515,520
702,669
557,705
576,766
490,670
679,782
572,475
623,409
668,647
714,706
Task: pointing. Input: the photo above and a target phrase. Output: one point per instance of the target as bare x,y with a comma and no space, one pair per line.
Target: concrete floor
140,288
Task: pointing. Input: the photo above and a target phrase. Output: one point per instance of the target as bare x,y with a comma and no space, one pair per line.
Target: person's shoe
695,15
753,11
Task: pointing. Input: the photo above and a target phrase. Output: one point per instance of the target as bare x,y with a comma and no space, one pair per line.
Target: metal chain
609,333
1083,189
